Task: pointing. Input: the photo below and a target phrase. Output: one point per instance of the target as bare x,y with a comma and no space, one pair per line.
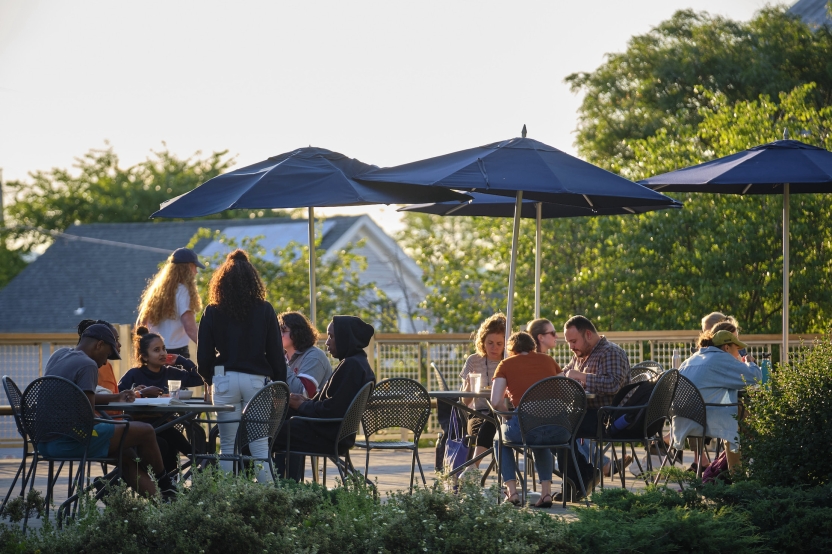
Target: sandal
543,503
513,499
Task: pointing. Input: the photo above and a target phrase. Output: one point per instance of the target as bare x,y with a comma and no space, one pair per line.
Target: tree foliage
285,273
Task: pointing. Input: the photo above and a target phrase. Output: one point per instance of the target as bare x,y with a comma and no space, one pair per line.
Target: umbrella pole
518,207
312,307
538,245
784,353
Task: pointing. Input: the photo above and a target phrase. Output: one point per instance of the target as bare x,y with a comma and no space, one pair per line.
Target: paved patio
390,470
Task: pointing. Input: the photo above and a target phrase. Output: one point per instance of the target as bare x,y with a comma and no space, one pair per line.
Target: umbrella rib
588,201
748,186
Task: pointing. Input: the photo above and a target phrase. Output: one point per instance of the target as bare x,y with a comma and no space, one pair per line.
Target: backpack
633,394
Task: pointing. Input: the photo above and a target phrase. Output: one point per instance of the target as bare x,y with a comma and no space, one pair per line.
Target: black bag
634,394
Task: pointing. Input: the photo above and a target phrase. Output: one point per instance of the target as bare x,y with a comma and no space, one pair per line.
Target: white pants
237,389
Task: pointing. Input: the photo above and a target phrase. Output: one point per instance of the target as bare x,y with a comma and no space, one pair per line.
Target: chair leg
20,470
564,473
367,463
419,463
580,477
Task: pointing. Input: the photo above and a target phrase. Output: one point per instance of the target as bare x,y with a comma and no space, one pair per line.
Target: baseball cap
99,331
724,337
186,256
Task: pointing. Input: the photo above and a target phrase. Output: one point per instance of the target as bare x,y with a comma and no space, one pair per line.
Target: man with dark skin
96,345
347,336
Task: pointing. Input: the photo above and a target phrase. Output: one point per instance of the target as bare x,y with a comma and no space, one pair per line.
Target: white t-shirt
172,330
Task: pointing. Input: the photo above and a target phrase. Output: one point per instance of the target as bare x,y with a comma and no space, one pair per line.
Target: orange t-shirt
524,370
107,378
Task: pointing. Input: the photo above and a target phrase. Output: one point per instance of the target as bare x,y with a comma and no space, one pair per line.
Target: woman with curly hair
170,302
490,343
239,349
309,368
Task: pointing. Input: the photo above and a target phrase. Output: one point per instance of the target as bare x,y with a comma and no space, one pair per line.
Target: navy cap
99,331
186,256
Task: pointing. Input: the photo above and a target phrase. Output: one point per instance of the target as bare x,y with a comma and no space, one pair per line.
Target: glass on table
173,388
475,380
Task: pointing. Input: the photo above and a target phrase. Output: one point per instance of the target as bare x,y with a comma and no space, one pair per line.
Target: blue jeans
237,389
543,460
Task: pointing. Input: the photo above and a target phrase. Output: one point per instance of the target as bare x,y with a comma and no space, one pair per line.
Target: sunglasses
553,333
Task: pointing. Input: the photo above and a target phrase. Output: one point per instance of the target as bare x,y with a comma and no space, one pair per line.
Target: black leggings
483,431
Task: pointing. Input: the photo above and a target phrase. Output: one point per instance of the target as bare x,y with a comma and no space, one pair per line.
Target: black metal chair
688,403
348,428
441,383
554,401
396,402
53,407
656,415
15,399
644,367
261,418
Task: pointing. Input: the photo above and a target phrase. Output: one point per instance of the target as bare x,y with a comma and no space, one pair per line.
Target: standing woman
170,302
309,368
239,349
490,343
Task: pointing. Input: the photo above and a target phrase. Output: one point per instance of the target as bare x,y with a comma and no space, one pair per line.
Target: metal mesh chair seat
348,427
396,402
554,401
261,418
656,415
53,407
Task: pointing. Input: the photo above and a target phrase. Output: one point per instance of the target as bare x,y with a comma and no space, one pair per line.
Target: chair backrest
397,402
264,414
53,407
552,401
441,383
688,402
647,366
352,417
658,407
15,400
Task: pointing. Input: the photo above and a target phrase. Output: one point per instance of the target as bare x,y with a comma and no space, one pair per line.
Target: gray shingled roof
813,12
110,279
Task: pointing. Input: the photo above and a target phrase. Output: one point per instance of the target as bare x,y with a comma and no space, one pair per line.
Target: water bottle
677,359
765,366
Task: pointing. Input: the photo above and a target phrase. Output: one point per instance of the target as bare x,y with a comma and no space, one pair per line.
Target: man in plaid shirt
602,368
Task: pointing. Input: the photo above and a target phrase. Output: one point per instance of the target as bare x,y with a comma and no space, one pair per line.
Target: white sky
385,82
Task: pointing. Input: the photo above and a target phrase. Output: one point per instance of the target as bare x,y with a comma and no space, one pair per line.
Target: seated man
80,365
602,368
347,337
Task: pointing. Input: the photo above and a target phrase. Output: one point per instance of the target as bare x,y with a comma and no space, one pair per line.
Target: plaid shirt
607,369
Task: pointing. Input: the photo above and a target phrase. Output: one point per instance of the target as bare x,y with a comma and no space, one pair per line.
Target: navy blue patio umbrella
304,178
522,167
488,205
779,167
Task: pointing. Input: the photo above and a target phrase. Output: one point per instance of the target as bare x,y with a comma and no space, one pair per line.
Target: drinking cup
476,382
173,388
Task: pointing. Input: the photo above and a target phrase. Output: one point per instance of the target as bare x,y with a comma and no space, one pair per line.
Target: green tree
285,273
662,79
99,190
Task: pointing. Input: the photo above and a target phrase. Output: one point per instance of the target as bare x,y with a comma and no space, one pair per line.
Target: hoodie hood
352,335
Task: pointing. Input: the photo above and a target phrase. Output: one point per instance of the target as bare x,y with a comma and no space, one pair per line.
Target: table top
459,394
192,407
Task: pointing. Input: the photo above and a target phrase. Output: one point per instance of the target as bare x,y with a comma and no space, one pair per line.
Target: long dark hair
236,286
141,342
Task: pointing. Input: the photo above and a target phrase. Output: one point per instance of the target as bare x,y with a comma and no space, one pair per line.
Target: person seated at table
489,341
602,367
239,350
309,368
513,377
719,372
713,318
544,335
80,365
150,380
347,337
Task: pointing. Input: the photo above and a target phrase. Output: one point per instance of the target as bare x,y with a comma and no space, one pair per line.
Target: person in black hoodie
347,337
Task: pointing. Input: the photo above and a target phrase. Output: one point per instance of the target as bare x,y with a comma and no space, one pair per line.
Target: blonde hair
159,298
494,324
716,317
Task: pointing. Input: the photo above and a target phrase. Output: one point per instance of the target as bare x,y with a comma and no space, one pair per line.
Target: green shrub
787,432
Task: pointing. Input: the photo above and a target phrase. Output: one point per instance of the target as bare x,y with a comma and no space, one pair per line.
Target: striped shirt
607,369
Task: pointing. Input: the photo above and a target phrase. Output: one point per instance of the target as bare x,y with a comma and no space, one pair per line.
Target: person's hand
295,400
150,392
127,396
208,397
750,359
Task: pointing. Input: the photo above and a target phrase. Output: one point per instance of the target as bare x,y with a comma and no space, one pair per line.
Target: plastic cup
476,382
173,388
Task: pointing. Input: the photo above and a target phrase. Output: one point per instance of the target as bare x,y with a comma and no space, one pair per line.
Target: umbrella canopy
779,167
522,167
488,205
304,178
